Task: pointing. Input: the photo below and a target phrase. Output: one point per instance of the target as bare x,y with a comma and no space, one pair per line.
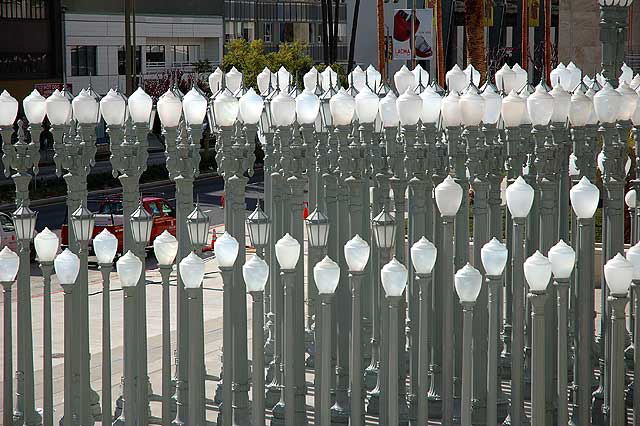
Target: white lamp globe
409,106
226,250
284,79
468,282
367,104
255,272
225,108
420,75
307,107
540,106
356,253
576,75
618,273
606,104
627,72
554,74
85,108
342,107
311,79
506,79
46,244
233,80
494,257
129,268
561,104
287,252
388,111
521,77
250,107
493,104
472,106
165,247
563,259
192,270
448,197
140,106
633,256
8,109
580,109
456,79
630,199
513,109
169,109
373,77
113,108
537,272
600,163
357,78
472,75
394,278
215,80
329,78
584,198
105,244
264,79
451,110
629,102
283,109
9,265
526,91
423,256
34,107
431,102
67,267
58,108
194,106
326,275
519,198
404,79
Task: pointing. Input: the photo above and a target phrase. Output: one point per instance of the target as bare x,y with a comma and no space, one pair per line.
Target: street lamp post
9,264
613,34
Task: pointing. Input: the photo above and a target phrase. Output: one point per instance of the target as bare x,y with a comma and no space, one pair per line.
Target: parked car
110,216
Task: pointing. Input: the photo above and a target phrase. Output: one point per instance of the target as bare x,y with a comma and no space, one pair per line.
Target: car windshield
111,207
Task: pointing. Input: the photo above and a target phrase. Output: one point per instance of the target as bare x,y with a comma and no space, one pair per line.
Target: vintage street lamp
86,109
633,256
326,276
506,79
198,227
141,226
258,224
613,34
113,108
34,107
8,109
404,79
9,264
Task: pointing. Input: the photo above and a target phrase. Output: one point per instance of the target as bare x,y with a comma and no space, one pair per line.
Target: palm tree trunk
381,44
354,30
474,31
325,33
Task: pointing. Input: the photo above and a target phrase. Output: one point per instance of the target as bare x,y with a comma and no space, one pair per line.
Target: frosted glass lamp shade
34,107
24,221
468,283
307,107
540,106
519,198
563,259
409,106
356,253
404,79
384,229
8,109
192,270
367,105
215,80
630,199
326,275
225,108
493,104
226,250
431,102
472,106
317,224
105,244
129,268
283,109
287,252
506,79
561,104
456,79
311,79
618,273
258,224
113,108
342,107
580,109
9,265
82,221
58,108
585,197
141,104
165,247
513,109
67,267
388,111
537,271
255,273
451,110
46,244
198,227
494,257
606,103
633,256
629,101
233,79
448,197
394,278
141,225
169,109
194,107
423,256
85,108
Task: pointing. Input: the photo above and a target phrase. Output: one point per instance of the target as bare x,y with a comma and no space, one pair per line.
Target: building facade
169,36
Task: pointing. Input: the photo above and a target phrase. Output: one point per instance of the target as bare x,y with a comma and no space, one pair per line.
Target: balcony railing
162,66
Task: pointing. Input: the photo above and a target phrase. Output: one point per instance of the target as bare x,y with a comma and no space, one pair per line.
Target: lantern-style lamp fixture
192,270
85,108
494,257
105,244
356,253
255,272
519,198
165,247
226,250
423,256
194,107
317,228
563,259
83,221
9,265
513,109
141,224
8,109
394,278
113,108
585,197
24,221
169,109
618,273
287,252
448,197
537,272
468,283
46,244
34,107
633,256
384,228
67,267
326,275
198,227
258,224
141,104
409,106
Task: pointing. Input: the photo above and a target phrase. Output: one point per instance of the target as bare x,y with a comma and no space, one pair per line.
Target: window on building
186,54
83,60
16,64
155,54
286,32
23,9
268,32
121,60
